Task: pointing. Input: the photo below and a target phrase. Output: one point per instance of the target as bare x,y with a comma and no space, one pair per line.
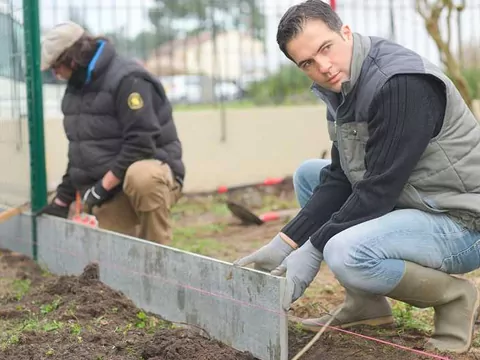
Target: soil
338,346
88,320
43,316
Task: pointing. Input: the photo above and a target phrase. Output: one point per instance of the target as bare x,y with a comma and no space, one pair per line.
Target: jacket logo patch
135,101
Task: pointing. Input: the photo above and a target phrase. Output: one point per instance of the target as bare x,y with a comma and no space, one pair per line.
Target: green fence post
38,176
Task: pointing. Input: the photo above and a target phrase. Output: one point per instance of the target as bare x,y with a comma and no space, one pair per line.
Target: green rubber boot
455,301
358,309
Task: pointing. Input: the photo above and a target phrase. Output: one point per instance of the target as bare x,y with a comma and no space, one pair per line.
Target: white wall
260,143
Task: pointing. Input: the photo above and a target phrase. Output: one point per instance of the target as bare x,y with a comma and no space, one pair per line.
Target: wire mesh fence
209,51
12,76
14,147
206,53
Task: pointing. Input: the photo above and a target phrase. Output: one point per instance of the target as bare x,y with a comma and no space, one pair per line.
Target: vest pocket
353,141
411,198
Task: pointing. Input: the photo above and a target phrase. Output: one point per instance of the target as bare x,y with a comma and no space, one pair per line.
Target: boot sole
384,320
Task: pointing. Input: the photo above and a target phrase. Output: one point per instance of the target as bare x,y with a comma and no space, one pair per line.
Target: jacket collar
98,64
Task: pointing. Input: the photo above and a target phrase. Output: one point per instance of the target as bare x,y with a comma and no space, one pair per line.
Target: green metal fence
22,154
38,176
35,104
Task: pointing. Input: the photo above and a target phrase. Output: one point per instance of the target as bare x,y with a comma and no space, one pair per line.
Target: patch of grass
20,288
151,323
213,228
201,246
476,341
11,331
296,328
124,329
412,318
75,328
188,206
48,308
144,321
30,324
45,272
8,339
70,310
185,233
272,203
52,325
220,209
198,239
36,324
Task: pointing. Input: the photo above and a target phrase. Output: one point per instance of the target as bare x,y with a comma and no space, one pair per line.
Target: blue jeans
370,256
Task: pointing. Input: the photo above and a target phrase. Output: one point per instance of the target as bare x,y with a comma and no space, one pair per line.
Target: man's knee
308,171
347,257
143,175
148,184
305,170
337,257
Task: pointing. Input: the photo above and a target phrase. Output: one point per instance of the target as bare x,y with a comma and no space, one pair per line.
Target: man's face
62,72
324,55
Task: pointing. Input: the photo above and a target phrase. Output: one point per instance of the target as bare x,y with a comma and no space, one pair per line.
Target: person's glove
96,196
301,267
269,256
55,209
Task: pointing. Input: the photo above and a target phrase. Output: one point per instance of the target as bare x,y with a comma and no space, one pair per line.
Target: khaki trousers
142,209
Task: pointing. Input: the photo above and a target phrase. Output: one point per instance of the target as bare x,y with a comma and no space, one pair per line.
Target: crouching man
397,211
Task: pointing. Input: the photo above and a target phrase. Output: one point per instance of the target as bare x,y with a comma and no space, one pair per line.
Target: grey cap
57,40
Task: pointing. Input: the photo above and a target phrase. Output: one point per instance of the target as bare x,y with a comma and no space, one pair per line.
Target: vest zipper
341,153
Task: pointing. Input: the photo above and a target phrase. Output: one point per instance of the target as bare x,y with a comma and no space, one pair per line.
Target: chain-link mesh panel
207,53
14,147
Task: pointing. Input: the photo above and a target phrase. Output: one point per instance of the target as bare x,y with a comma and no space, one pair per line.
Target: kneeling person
124,153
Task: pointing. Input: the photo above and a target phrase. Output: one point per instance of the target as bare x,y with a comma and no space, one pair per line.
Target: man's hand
96,196
269,256
301,267
55,208
110,181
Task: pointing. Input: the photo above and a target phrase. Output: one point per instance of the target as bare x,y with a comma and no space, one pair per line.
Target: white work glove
269,256
301,267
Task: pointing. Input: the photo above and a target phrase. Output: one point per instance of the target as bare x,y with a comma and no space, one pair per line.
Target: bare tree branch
431,12
449,24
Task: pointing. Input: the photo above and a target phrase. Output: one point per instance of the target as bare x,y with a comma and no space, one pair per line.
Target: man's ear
346,32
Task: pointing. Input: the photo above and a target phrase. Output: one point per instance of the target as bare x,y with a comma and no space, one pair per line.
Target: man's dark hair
292,22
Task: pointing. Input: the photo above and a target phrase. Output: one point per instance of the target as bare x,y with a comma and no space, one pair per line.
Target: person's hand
55,208
95,196
269,256
300,267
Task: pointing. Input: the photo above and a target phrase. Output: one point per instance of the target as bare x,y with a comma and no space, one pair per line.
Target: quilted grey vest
447,177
